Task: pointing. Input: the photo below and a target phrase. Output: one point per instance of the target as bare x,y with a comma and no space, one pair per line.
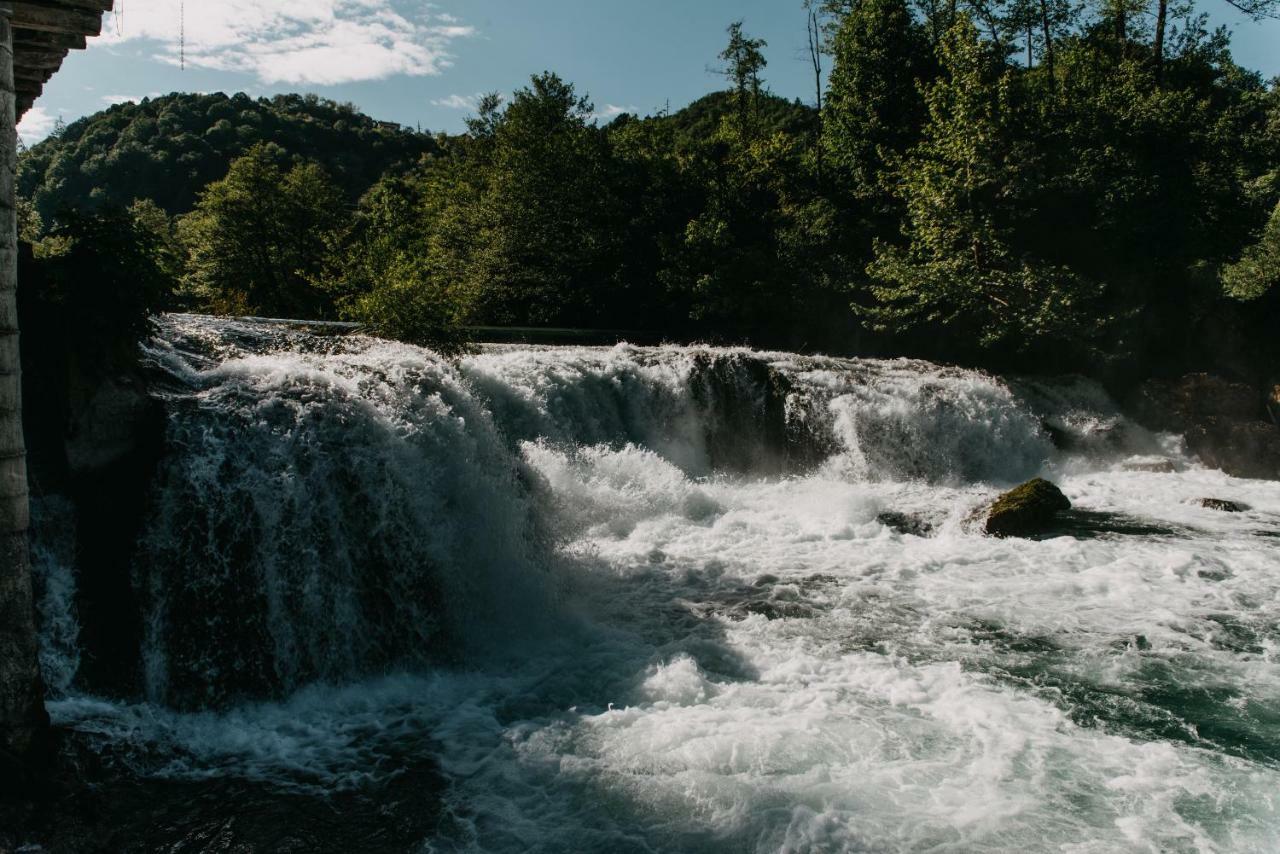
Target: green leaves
966,261
258,238
1258,270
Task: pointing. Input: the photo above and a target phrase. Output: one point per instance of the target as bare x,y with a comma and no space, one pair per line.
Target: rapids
641,599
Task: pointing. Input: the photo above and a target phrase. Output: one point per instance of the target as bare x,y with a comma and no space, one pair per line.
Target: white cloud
319,42
36,125
119,99
457,102
612,111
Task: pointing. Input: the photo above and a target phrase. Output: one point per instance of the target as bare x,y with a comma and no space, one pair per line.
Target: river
642,599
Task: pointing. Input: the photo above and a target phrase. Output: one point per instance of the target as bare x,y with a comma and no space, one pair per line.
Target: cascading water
642,599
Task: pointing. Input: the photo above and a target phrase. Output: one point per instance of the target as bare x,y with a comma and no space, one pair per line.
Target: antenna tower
182,35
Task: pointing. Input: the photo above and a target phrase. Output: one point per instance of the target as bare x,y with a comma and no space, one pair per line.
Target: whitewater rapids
642,599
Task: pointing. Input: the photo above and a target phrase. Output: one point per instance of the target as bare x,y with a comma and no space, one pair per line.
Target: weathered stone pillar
23,723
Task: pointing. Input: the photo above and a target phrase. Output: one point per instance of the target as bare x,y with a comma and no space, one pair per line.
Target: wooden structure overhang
44,32
35,37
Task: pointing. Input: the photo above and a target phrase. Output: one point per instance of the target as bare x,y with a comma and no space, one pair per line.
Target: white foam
754,663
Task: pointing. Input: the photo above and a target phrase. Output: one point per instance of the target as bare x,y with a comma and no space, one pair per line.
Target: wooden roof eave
44,31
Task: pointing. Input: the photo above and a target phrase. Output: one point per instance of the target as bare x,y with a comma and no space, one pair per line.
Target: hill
702,117
169,148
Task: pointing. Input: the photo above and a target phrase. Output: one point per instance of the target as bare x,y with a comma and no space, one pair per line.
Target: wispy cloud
612,111
36,125
457,102
122,99
321,42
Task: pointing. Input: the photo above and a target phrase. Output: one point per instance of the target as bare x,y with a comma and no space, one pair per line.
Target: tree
1258,270
168,149
1255,9
380,274
98,278
743,62
963,188
257,239
528,230
815,43
874,109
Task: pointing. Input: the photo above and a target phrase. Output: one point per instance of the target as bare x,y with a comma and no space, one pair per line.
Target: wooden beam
28,89
22,38
39,75
92,5
39,58
55,19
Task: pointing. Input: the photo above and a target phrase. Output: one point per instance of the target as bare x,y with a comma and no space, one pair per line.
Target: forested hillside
1055,187
169,148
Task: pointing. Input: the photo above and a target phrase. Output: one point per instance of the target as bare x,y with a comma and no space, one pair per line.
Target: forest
1035,185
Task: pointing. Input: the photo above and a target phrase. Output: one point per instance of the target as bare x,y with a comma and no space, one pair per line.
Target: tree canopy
1034,184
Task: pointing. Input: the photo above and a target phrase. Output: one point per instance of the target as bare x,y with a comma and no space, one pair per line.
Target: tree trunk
815,57
1048,41
23,723
1162,10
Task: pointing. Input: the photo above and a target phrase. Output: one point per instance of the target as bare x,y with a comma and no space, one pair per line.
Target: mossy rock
1026,510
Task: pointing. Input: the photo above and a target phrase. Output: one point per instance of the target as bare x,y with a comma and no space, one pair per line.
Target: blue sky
419,62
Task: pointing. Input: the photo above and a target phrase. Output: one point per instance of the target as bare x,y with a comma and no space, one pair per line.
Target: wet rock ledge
1229,425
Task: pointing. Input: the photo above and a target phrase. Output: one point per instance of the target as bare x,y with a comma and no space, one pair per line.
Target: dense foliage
1040,185
168,149
90,285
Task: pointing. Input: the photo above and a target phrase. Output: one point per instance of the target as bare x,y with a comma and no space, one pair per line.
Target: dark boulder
1025,510
905,523
1223,505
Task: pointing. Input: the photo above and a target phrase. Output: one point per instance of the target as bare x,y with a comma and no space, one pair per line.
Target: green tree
743,61
534,238
964,188
1258,270
94,282
379,271
257,240
170,148
874,107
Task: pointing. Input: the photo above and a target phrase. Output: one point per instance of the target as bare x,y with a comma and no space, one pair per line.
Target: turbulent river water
646,599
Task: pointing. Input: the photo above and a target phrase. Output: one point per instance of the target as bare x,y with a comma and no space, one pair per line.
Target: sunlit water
639,599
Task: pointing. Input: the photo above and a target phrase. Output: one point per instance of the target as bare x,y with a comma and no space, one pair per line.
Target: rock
905,523
1228,425
1157,466
1178,404
1240,448
1025,510
1223,505
110,421
1060,438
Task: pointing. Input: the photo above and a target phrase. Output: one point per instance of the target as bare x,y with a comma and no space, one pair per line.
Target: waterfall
647,598
333,506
